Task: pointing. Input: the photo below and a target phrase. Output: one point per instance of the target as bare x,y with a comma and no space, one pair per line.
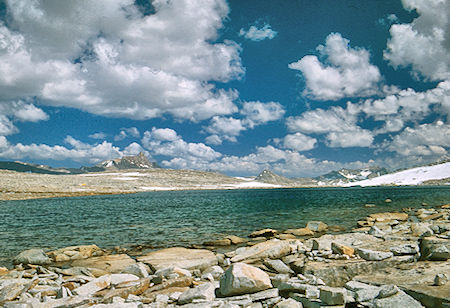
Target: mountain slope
414,176
268,177
139,161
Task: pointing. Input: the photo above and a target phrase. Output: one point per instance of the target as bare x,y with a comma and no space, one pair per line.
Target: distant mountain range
436,173
139,161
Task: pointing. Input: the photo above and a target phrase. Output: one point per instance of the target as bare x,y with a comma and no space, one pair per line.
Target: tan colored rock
236,240
3,271
433,216
180,257
10,289
264,233
137,288
221,242
389,216
446,206
300,232
109,263
94,286
171,283
74,253
241,278
285,236
273,249
342,249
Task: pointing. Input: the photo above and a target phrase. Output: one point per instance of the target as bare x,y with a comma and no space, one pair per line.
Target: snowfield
413,176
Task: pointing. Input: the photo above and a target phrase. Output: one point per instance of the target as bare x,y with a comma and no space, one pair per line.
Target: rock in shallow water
242,278
32,256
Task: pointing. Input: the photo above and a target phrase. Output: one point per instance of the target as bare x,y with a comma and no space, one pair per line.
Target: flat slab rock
109,263
180,257
416,279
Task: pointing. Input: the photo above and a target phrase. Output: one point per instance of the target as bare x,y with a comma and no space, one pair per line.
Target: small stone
278,266
375,231
202,292
242,278
388,200
405,249
3,271
32,256
398,300
372,255
263,295
288,303
369,205
332,296
342,249
434,248
440,279
317,226
139,269
388,290
215,271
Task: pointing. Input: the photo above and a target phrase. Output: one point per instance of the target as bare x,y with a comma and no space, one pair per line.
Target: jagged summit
350,175
139,161
267,176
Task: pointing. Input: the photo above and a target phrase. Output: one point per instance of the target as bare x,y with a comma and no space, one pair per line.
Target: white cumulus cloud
423,43
258,34
106,58
347,71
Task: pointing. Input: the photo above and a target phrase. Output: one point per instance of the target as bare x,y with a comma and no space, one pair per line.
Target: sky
298,87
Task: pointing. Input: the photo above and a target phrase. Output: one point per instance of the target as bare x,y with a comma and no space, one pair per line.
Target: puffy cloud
127,132
260,113
423,140
255,34
299,142
347,71
255,113
166,142
79,151
423,43
134,149
99,135
18,111
6,126
346,139
106,58
226,128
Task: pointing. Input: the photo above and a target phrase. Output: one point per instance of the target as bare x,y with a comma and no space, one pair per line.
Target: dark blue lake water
170,218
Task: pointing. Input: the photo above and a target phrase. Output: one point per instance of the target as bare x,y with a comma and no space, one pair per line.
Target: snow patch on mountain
414,176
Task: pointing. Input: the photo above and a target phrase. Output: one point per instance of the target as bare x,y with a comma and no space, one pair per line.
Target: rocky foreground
391,260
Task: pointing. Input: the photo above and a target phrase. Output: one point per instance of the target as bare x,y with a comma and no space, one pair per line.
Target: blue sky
299,87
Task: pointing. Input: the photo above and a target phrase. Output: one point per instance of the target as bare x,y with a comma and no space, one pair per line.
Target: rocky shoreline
389,260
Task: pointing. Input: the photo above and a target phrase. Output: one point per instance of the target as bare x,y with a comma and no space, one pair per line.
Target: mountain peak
139,161
267,176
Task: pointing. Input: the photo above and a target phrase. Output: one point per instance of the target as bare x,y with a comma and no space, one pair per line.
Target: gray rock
289,303
298,286
440,279
279,266
32,256
266,294
388,290
399,300
10,289
375,231
277,279
433,248
205,292
317,226
306,302
332,296
363,292
373,255
405,249
241,278
421,229
139,269
215,271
